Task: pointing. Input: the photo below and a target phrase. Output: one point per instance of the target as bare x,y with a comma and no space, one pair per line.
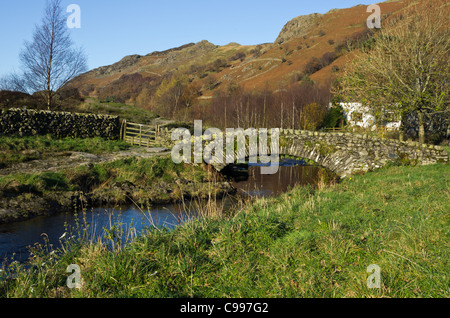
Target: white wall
350,109
367,120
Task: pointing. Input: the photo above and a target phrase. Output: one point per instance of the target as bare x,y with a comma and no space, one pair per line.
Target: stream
16,238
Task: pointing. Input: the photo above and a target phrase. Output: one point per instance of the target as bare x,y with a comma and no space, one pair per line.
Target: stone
363,153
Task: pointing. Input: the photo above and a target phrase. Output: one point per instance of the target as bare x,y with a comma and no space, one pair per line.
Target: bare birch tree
49,59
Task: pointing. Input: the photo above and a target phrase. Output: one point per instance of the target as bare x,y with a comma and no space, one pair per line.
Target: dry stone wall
346,153
22,122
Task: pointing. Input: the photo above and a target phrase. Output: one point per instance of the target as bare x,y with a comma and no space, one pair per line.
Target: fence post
124,130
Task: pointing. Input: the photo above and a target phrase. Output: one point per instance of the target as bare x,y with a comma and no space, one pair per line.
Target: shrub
312,116
218,65
288,52
316,64
238,56
296,77
196,68
257,51
211,82
110,99
328,58
334,118
312,66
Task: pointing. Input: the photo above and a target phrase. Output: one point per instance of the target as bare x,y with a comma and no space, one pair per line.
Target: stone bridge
346,153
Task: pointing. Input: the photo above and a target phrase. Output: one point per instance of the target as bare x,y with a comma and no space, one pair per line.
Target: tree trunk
448,134
421,127
225,123
401,131
49,100
293,115
264,113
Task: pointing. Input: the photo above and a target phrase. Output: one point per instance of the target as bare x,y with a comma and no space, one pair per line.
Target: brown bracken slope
208,68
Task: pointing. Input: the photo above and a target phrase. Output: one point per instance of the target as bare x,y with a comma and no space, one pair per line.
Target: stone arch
346,154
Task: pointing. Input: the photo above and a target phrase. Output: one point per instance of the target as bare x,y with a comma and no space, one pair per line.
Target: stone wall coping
37,111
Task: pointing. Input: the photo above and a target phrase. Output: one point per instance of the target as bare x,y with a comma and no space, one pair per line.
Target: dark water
290,173
16,238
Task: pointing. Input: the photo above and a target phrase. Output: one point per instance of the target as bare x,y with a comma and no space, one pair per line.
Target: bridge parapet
344,153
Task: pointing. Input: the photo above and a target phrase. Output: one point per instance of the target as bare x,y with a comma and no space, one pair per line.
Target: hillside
181,83
169,83
301,39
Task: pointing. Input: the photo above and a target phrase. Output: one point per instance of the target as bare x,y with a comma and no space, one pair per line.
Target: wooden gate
139,134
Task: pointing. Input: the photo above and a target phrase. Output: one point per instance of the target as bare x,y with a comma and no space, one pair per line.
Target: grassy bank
22,149
145,181
305,243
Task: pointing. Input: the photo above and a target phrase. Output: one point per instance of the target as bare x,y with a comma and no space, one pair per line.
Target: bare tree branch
49,59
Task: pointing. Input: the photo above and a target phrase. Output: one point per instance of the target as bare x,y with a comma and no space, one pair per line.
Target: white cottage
359,115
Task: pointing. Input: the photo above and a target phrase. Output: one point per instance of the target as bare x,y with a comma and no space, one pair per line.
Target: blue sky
112,29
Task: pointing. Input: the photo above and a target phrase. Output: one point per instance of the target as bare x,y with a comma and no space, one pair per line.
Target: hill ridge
209,68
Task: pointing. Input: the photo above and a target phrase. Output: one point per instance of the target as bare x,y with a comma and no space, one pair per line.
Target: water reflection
16,238
291,173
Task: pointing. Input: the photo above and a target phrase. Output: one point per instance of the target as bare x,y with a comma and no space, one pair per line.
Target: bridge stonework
347,154
344,153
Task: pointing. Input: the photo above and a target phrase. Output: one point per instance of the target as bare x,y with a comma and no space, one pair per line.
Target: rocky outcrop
298,27
126,62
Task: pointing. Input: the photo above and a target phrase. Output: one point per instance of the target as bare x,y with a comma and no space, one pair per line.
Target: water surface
17,237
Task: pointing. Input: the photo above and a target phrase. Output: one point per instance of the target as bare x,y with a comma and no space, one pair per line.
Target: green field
305,243
124,111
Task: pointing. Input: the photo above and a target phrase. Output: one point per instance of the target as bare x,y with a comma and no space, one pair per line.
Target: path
70,159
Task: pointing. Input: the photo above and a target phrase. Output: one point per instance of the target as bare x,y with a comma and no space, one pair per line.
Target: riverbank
305,243
71,180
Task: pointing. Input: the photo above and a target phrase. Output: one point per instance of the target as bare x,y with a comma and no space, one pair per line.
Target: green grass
124,111
23,149
140,172
305,243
